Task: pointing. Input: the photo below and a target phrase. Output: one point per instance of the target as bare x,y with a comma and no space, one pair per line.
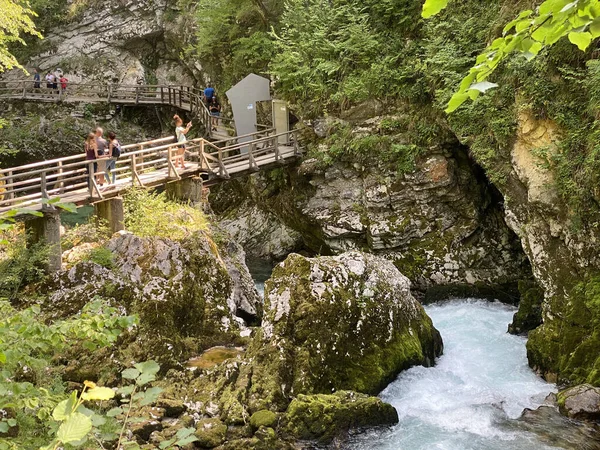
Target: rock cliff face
117,41
441,223
564,259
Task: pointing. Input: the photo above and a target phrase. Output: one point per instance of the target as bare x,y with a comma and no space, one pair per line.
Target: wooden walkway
185,98
146,164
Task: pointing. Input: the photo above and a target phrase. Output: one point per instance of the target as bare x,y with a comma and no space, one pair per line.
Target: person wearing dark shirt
36,79
215,112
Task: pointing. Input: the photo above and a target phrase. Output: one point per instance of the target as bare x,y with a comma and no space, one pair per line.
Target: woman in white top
180,132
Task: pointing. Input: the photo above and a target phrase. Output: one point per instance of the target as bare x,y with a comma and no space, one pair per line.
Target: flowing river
468,399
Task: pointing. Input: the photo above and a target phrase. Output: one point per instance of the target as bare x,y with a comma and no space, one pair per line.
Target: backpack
116,151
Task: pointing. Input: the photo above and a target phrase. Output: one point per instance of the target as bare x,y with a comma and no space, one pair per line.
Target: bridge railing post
276,147
137,95
162,94
9,192
59,179
90,168
170,100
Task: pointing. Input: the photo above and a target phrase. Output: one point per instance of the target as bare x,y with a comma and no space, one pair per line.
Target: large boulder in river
346,322
189,294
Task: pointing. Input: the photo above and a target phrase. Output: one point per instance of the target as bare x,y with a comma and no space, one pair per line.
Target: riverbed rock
330,324
183,293
323,417
529,315
580,402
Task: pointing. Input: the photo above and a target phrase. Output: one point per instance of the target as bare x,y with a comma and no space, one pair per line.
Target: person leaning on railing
180,133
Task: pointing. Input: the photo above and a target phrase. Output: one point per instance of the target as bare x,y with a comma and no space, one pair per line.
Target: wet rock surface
580,402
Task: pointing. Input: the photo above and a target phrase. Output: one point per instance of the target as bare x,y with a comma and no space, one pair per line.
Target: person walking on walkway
49,80
36,79
180,133
209,94
114,151
215,112
63,84
100,165
91,151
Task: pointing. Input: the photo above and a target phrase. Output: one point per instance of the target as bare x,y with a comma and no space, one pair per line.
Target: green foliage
102,256
578,20
29,385
149,214
78,424
17,19
331,55
232,38
23,264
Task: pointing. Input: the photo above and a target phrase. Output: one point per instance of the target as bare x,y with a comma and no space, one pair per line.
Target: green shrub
150,214
22,265
102,256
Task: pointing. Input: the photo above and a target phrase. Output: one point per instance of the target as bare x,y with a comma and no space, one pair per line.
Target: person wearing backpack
114,151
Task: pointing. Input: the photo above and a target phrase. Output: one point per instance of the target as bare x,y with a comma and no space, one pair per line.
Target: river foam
477,387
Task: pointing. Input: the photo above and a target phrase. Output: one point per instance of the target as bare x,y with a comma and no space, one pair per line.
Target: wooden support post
44,189
252,166
46,230
111,210
162,95
188,190
170,101
276,146
137,95
172,171
134,174
201,156
60,184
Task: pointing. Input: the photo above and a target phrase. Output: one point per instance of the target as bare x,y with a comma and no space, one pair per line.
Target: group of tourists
53,80
213,105
104,153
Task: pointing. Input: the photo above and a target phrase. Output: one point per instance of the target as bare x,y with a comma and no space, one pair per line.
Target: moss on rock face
210,433
529,315
263,418
323,417
182,292
565,348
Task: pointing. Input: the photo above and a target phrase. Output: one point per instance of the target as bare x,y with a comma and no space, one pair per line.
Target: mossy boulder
323,417
182,291
580,402
576,329
210,433
263,418
340,323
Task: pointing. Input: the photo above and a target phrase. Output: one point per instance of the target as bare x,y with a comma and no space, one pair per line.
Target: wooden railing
150,163
182,97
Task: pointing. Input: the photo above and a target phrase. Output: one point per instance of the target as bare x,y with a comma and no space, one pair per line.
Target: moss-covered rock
323,417
565,347
263,418
346,322
210,433
182,292
529,315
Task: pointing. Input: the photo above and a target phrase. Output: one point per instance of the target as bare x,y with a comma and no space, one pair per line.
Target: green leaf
75,428
165,444
114,412
65,408
595,28
4,427
130,374
187,440
151,395
581,40
184,432
126,390
456,101
148,367
98,393
433,7
2,358
12,422
145,378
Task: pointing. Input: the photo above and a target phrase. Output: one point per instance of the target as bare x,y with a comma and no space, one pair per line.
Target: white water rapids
465,401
